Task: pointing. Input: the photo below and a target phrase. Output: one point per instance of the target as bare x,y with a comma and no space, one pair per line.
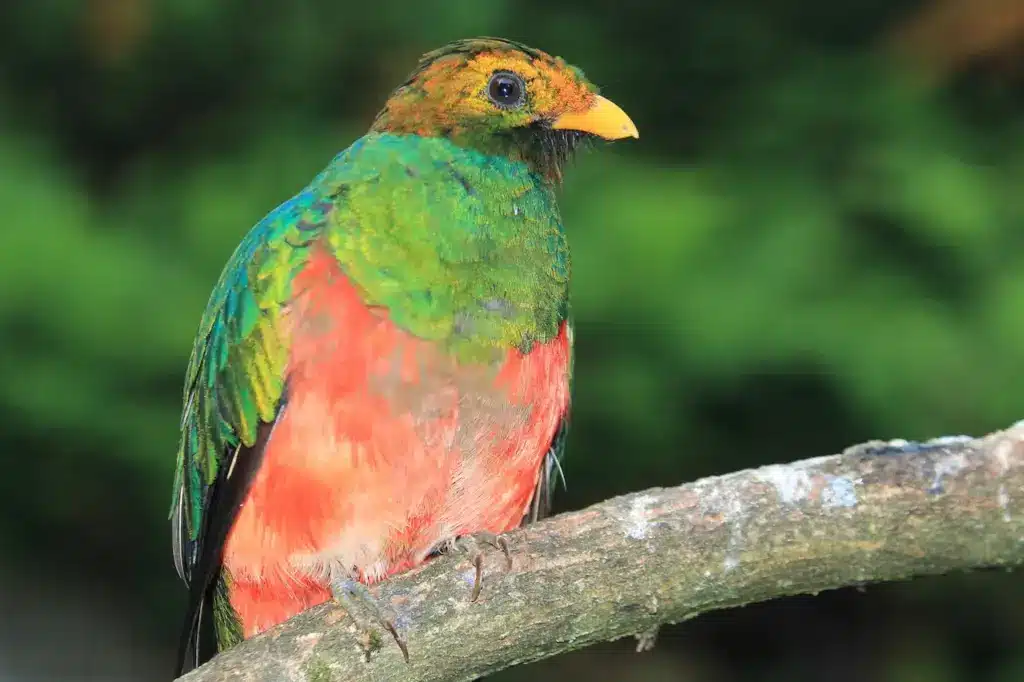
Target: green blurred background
816,241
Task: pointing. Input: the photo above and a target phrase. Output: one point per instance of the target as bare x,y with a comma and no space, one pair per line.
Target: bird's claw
365,611
474,546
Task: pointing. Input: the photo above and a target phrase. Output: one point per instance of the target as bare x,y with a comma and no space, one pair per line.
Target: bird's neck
545,151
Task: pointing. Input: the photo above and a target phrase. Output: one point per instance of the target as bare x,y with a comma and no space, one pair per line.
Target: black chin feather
549,150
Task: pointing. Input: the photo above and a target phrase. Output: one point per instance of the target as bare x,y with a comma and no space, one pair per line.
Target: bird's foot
474,545
366,612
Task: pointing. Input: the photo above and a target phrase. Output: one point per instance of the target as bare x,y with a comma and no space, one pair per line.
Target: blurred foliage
811,244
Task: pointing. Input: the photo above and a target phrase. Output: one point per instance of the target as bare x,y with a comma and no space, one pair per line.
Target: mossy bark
876,512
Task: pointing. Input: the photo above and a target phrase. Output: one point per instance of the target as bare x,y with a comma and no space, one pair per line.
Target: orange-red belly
384,448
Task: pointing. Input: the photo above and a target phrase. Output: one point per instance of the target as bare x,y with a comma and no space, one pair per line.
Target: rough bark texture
877,512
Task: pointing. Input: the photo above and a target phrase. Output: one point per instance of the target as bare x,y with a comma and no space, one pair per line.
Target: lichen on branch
879,511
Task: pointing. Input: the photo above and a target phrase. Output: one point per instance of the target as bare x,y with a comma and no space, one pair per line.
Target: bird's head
503,98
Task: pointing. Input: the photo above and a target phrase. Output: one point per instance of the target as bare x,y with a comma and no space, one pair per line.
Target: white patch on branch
1001,454
728,504
841,491
949,440
792,483
1004,503
636,521
735,516
950,465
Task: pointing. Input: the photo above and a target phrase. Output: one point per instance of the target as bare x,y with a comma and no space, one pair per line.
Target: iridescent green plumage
236,373
443,218
234,385
459,247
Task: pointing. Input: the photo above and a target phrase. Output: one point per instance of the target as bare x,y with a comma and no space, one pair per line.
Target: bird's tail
198,642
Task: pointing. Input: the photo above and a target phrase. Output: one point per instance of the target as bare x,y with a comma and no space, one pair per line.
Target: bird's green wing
235,384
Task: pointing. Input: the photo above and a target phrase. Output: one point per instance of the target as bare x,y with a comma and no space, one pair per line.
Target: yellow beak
604,118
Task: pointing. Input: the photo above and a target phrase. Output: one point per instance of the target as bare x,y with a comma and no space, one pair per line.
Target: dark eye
506,90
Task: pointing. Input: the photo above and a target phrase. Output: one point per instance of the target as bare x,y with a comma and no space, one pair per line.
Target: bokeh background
817,240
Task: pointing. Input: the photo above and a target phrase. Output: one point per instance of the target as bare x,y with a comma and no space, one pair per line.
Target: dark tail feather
198,642
224,499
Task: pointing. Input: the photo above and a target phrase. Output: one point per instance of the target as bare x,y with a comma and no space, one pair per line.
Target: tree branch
877,512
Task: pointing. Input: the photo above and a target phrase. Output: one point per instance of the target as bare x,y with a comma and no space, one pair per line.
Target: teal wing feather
234,386
235,376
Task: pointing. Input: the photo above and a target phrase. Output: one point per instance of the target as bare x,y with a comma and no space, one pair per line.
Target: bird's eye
506,90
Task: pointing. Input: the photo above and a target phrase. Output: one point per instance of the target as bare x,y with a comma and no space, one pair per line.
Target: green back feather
461,248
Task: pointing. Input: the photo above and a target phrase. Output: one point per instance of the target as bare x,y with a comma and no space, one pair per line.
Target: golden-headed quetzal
385,362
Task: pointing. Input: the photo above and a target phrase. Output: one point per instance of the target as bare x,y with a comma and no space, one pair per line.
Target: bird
383,370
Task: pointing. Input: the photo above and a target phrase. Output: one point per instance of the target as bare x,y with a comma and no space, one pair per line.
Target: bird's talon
503,544
399,639
478,581
473,545
355,598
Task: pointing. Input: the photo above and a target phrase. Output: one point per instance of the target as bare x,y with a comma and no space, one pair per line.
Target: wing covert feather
236,374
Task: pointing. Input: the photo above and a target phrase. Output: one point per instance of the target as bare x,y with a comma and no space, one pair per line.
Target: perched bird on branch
383,369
